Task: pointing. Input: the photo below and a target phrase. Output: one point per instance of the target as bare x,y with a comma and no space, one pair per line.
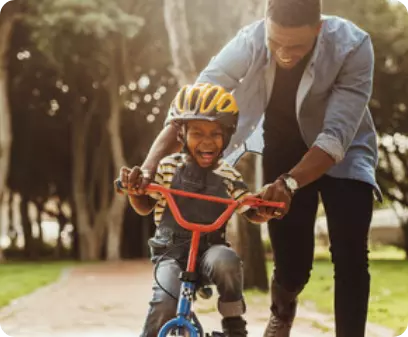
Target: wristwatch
290,183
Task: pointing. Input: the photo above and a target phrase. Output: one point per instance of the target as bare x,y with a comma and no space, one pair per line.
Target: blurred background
84,89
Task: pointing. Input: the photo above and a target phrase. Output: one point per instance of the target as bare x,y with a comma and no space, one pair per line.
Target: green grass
19,279
389,287
389,291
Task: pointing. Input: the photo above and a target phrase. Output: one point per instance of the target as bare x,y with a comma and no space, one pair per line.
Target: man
304,80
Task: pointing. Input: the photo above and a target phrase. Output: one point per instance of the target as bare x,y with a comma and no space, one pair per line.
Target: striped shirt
233,181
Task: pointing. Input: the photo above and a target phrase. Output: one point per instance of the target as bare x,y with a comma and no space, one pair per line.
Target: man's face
289,45
204,141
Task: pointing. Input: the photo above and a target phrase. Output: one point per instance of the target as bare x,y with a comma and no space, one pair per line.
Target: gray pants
220,265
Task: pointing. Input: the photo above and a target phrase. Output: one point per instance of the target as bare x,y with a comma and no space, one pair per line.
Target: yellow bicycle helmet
205,102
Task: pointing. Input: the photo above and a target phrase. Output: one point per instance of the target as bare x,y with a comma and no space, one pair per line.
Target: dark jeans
219,265
348,205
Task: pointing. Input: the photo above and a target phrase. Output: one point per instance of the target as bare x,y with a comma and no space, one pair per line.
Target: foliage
387,23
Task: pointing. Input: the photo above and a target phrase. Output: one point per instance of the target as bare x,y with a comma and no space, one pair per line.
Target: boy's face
204,141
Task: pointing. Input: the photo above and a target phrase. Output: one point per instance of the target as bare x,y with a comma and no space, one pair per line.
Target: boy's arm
142,204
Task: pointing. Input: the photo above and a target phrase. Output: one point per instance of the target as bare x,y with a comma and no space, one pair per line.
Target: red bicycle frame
195,228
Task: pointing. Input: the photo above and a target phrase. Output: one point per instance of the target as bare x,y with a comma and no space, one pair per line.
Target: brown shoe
283,312
234,327
279,326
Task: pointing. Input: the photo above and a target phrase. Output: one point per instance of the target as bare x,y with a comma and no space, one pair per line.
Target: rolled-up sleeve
348,101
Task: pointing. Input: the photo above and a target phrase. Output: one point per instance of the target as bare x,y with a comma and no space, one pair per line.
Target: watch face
292,183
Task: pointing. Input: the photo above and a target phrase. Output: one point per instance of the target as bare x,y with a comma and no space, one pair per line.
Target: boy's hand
136,179
274,192
124,176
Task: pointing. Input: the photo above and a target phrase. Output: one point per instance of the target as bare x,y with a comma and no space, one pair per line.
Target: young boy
207,117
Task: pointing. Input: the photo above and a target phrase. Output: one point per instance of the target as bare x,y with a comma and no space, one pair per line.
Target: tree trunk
29,247
6,25
78,179
89,246
40,208
179,39
115,228
119,202
58,254
2,217
12,233
249,243
74,253
89,236
405,231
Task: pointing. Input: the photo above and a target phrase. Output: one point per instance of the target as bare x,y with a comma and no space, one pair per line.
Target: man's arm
345,110
348,101
165,144
315,163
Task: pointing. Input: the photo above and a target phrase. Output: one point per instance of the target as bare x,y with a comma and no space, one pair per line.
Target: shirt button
253,127
236,146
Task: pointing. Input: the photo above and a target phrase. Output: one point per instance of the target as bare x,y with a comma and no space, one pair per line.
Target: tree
250,246
44,120
94,29
387,24
180,46
8,16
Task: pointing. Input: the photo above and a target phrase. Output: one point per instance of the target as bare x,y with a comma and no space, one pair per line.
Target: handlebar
232,205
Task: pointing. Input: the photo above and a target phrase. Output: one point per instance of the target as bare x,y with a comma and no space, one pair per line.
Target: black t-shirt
284,145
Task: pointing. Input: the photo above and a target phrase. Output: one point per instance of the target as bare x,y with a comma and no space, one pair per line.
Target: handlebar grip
118,185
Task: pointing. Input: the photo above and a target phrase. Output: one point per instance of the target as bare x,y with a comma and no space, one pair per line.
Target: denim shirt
332,98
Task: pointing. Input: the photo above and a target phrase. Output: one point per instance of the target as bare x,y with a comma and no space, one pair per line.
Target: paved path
110,300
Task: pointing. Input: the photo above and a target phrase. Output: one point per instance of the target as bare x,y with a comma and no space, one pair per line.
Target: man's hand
278,192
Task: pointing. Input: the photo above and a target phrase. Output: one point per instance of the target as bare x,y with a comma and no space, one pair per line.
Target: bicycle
186,322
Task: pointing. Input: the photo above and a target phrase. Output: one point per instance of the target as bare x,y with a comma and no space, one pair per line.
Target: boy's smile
205,141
